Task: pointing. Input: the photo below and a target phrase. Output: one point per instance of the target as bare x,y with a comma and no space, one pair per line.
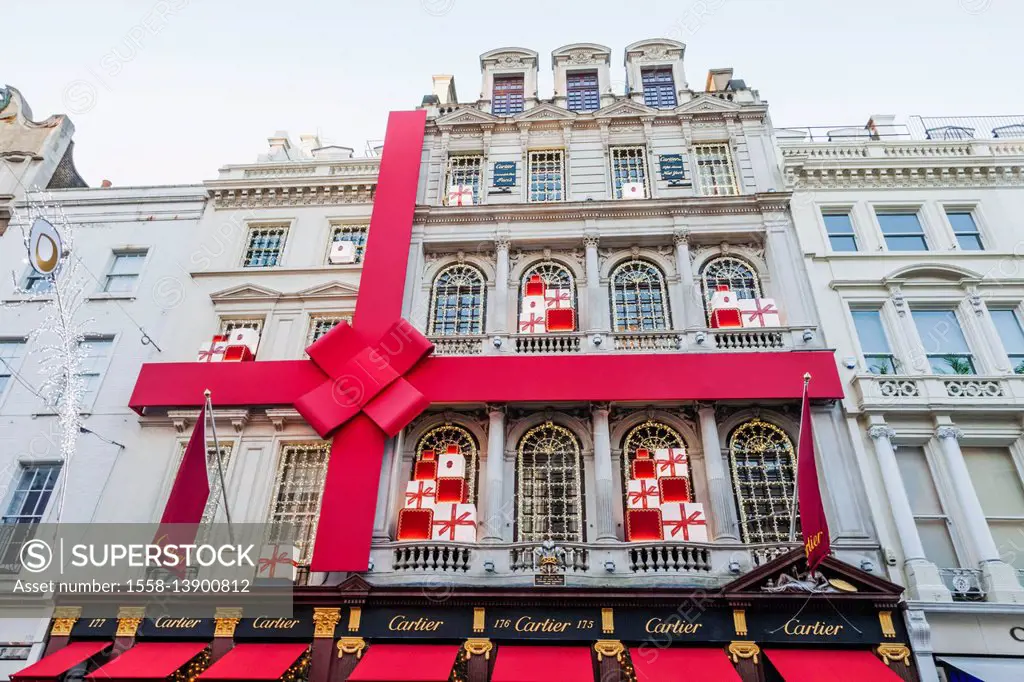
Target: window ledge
28,298
309,270
108,296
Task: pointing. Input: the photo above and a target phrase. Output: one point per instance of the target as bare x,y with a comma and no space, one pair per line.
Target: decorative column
494,511
605,491
1000,579
387,497
725,524
225,622
689,313
923,577
597,313
321,655
129,618
497,320
785,264
64,619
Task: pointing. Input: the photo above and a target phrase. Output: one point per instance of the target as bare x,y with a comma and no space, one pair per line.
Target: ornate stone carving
591,241
509,60
324,622
882,431
898,301
350,646
226,622
654,54
478,647
609,648
744,650
894,653
128,620
64,618
583,57
949,432
681,237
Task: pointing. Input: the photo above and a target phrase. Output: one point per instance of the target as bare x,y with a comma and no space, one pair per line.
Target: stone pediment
329,290
546,112
707,104
933,272
467,116
624,108
245,292
787,576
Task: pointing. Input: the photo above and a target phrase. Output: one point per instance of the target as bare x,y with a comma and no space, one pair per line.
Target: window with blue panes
1012,335
840,231
457,301
944,342
581,91
874,344
659,87
507,96
968,237
546,175
902,232
629,164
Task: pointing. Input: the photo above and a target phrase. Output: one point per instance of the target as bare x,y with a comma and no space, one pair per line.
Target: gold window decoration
639,299
321,324
457,301
298,494
440,437
715,172
547,175
650,435
732,272
629,164
463,169
762,460
264,246
549,488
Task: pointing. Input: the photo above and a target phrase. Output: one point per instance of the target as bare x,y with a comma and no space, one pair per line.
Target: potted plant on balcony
1019,369
958,364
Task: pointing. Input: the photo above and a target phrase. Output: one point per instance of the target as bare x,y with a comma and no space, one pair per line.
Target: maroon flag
189,494
813,524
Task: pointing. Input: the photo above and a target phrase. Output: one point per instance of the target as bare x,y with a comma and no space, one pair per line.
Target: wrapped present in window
760,312
643,525
725,309
454,523
684,522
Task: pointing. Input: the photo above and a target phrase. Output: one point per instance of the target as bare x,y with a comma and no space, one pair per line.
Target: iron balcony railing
934,128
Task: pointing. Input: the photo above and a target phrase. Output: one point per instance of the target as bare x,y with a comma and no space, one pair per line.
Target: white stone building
912,238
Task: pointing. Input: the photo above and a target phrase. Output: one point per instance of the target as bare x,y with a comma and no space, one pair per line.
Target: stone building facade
911,236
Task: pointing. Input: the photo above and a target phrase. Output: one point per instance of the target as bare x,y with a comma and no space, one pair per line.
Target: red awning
149,661
255,662
59,662
406,663
665,665
543,664
829,665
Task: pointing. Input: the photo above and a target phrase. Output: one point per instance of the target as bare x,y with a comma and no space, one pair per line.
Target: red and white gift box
534,286
633,190
684,522
453,450
643,525
415,524
277,561
449,465
671,462
675,489
558,297
759,312
725,309
532,323
454,523
560,319
450,489
642,494
460,195
420,494
250,338
643,468
214,350
534,304
425,470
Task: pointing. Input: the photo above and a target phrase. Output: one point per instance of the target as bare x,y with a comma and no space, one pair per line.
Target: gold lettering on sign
527,624
176,623
660,627
275,623
795,627
401,623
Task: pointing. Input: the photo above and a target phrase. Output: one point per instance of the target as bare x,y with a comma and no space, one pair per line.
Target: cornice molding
315,192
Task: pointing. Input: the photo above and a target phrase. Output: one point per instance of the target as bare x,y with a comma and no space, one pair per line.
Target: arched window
555,276
639,302
549,485
457,301
440,437
761,458
650,435
738,275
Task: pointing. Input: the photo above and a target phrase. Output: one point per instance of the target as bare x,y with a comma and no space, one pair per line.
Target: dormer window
582,93
659,87
507,97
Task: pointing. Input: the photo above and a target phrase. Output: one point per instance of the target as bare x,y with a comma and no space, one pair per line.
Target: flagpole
796,463
220,465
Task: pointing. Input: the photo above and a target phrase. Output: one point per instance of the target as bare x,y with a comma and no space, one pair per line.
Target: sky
168,91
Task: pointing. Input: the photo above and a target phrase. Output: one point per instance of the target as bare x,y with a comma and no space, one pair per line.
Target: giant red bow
365,378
